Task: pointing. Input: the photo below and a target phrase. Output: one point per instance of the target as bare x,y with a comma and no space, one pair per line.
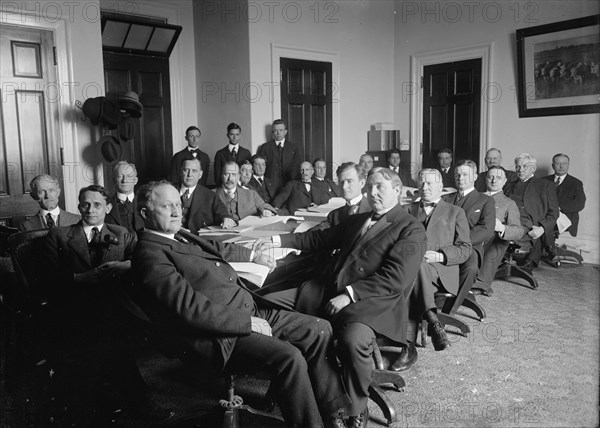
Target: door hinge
55,56
62,157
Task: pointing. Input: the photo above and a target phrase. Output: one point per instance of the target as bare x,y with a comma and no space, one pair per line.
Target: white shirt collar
183,189
386,211
190,148
164,235
490,193
355,201
560,177
256,177
55,212
87,229
282,142
466,192
233,146
123,197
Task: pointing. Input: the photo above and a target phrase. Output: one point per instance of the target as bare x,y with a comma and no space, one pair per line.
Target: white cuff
351,293
276,240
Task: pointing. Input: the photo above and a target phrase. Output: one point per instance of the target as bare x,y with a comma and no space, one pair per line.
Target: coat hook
80,107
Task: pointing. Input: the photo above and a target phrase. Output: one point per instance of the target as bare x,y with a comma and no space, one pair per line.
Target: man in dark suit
240,202
201,207
481,215
84,263
301,193
508,228
266,188
538,207
394,163
446,169
493,157
192,151
448,247
283,157
215,323
232,152
569,190
124,206
328,188
45,189
367,292
352,179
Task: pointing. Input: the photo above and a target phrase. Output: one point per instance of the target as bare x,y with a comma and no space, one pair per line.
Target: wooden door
451,110
306,91
29,136
151,149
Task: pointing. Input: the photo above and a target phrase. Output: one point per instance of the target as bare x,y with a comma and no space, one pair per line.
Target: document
252,272
563,223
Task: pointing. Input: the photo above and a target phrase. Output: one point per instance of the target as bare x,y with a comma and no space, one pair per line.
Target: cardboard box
383,140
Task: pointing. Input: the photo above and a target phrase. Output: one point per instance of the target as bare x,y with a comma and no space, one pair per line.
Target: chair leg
446,319
513,270
472,304
380,398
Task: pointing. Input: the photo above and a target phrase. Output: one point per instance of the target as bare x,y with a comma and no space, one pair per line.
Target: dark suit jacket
194,294
327,189
224,155
268,190
248,202
448,179
65,218
447,232
206,209
571,199
481,215
185,154
540,204
113,216
294,196
481,185
381,266
508,213
282,171
338,215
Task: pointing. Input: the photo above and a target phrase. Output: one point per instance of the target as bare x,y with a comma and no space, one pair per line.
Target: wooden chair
510,268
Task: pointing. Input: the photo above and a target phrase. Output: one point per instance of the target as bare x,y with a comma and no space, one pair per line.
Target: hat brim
132,107
109,149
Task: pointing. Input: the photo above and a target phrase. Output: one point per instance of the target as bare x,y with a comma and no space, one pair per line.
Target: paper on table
306,225
562,222
329,206
253,220
253,272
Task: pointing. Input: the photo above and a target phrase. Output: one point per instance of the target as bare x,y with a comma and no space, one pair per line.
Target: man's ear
144,213
201,172
108,207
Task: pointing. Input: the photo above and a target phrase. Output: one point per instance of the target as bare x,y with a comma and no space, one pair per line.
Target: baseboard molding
587,246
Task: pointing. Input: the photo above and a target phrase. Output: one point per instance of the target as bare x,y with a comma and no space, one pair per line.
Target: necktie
94,248
50,221
194,152
185,196
557,181
181,239
376,217
428,204
127,204
260,181
353,209
234,153
307,185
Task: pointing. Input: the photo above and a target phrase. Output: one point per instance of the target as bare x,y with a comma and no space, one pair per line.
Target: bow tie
428,204
376,217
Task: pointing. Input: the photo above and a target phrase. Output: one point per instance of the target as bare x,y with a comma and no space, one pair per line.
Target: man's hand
261,326
536,232
337,304
433,257
110,270
266,213
499,227
262,244
228,223
264,259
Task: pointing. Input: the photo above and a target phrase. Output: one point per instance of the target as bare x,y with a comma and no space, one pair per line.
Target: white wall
423,27
360,33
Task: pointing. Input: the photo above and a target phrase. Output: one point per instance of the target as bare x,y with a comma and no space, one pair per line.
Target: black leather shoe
438,336
336,421
406,359
481,292
147,410
553,261
359,421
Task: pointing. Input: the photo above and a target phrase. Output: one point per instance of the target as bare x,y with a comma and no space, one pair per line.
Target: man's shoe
552,261
336,421
146,409
438,336
481,292
406,359
359,421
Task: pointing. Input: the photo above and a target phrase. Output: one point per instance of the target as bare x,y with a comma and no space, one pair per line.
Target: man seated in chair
266,187
508,228
124,206
201,207
571,200
538,207
366,294
493,157
301,193
329,189
448,246
240,202
85,261
45,189
481,215
189,290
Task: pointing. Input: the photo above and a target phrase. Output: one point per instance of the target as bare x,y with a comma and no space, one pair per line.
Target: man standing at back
192,151
124,206
394,163
232,152
493,157
45,189
444,157
282,156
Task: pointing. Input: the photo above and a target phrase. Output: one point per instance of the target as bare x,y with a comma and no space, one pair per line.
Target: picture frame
557,67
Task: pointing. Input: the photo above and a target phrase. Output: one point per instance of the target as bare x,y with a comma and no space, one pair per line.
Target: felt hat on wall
126,129
92,109
130,104
111,115
109,149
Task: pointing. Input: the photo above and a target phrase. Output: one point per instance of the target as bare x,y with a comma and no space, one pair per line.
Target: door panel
29,137
451,110
306,107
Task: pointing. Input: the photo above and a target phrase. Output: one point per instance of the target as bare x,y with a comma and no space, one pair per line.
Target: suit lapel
78,242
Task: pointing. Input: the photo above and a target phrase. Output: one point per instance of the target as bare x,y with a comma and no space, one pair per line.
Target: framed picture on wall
558,68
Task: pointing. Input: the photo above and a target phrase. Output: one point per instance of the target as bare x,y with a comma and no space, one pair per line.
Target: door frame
295,52
417,64
67,128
